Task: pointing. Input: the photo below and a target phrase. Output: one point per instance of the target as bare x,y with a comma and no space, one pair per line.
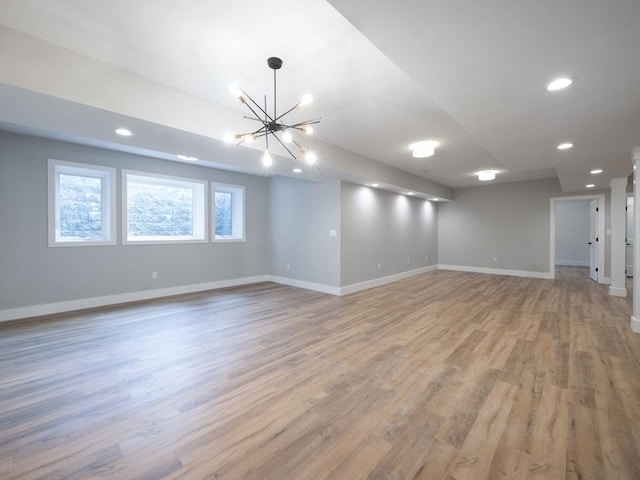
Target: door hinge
597,209
597,239
596,269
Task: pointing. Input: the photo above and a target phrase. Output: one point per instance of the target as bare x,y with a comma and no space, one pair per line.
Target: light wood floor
443,376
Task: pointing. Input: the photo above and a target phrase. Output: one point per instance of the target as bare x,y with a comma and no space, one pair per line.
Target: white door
630,239
593,240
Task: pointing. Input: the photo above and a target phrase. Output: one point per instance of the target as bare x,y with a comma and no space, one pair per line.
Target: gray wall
508,221
572,232
31,273
301,216
381,227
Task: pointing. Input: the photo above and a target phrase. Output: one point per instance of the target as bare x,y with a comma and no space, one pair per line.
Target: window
228,212
81,204
163,209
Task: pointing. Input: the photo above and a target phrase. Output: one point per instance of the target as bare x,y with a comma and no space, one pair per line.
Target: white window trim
108,203
238,216
171,179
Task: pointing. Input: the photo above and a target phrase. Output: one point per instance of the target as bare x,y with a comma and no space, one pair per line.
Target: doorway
590,244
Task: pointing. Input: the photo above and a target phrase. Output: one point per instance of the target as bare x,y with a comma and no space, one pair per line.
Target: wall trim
635,324
293,282
81,304
618,292
496,271
572,263
377,282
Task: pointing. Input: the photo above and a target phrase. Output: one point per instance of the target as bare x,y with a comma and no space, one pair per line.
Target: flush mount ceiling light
565,146
487,175
124,132
424,148
273,124
559,84
375,185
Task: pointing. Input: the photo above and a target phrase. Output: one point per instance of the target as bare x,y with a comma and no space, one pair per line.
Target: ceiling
384,74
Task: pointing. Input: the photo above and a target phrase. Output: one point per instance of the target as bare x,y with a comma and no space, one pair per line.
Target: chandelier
273,125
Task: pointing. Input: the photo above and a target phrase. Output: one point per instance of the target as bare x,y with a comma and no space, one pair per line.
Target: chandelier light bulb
267,161
248,138
229,138
308,130
235,90
310,157
286,136
306,99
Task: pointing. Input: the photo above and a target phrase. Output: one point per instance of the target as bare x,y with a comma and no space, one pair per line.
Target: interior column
618,243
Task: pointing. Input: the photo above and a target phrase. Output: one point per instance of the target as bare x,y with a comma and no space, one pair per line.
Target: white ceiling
470,74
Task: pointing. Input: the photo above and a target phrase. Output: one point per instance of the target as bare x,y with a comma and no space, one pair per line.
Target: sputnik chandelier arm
272,124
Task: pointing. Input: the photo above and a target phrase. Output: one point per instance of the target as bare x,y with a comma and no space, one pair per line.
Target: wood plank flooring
444,376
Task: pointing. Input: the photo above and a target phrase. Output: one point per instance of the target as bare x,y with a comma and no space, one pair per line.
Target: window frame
238,212
108,195
200,214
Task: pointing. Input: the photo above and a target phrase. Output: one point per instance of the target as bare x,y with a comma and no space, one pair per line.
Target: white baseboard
292,282
635,324
618,291
496,271
80,304
571,263
356,287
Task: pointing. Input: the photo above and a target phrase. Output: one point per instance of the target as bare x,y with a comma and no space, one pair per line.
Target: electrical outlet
426,257
288,266
154,275
495,259
408,261
379,266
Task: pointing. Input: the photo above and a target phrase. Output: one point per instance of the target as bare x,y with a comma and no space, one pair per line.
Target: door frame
600,197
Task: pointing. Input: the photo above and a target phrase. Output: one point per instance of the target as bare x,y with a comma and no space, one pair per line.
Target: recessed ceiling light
409,193
297,170
487,175
375,185
187,158
424,149
591,185
565,146
124,132
435,199
559,84
596,171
